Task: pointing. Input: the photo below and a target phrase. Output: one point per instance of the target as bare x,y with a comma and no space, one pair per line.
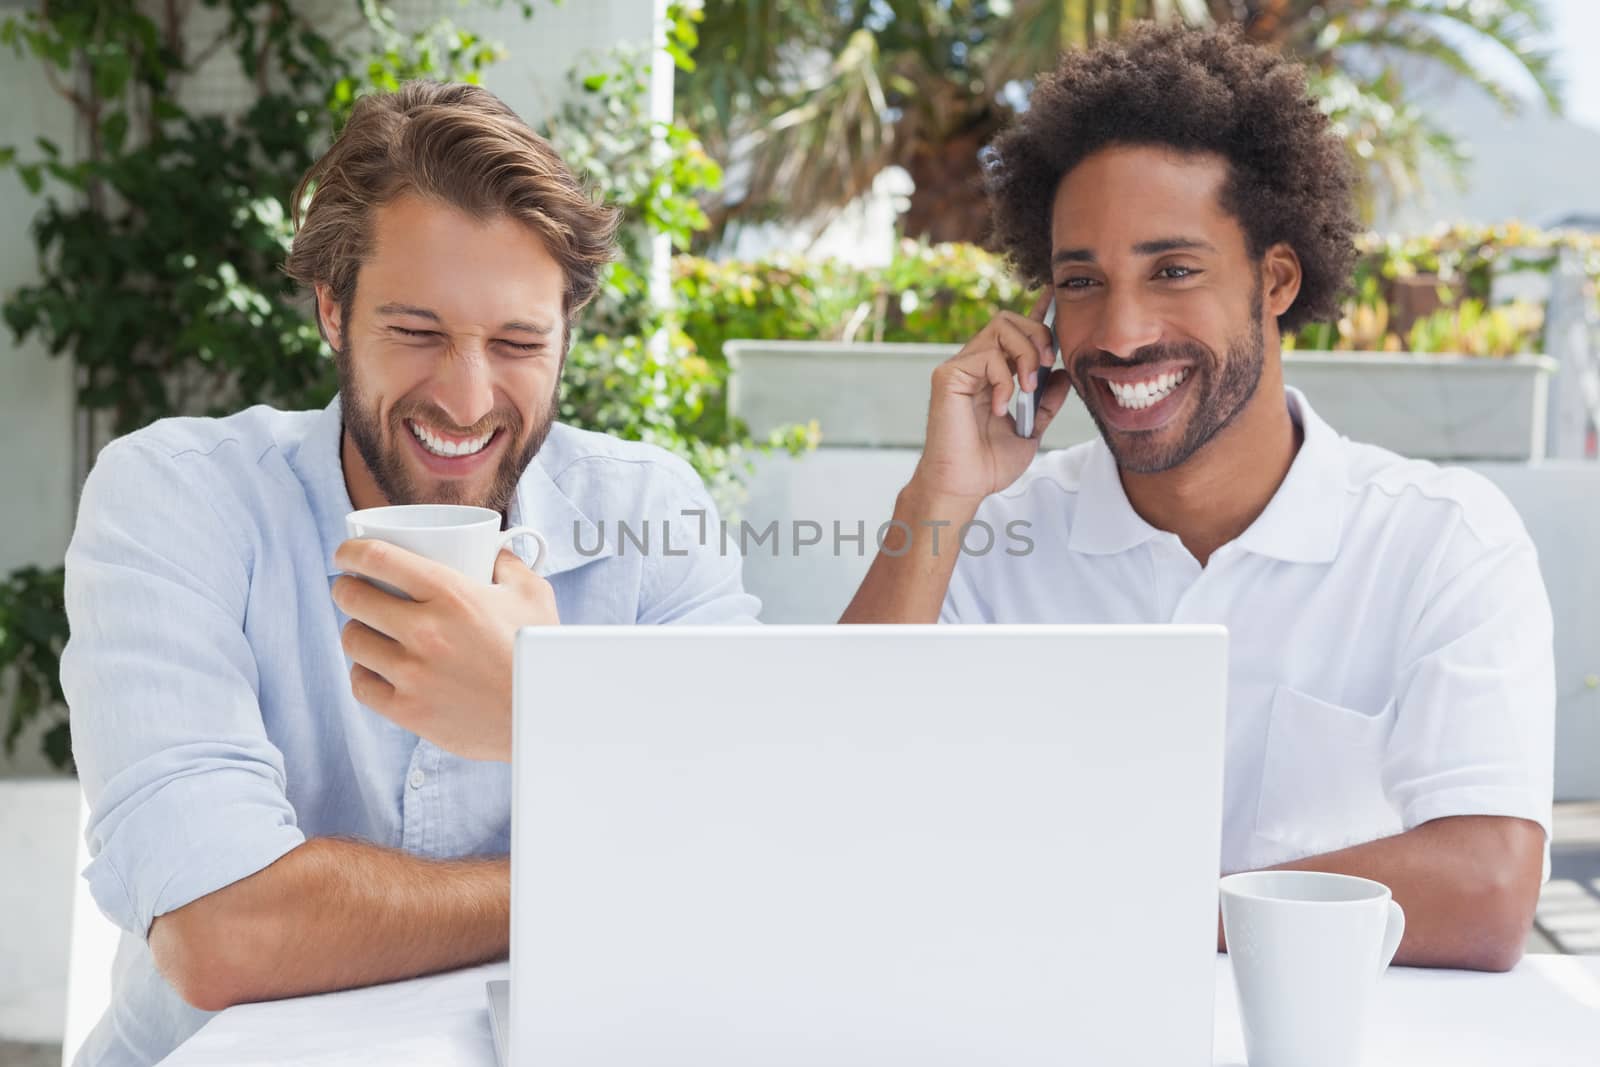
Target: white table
1545,1013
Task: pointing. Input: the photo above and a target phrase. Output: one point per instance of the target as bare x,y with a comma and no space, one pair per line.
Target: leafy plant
926,292
783,297
634,372
1471,329
655,171
944,292
1458,264
33,631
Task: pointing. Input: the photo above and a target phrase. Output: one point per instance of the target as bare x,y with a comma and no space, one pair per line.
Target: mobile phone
1027,405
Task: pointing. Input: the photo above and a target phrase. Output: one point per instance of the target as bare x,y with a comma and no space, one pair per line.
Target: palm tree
806,101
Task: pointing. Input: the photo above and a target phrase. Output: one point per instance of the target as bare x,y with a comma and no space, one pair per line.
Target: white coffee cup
466,538
1307,949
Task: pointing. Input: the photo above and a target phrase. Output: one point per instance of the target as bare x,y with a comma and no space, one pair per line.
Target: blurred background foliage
1430,293
925,293
806,101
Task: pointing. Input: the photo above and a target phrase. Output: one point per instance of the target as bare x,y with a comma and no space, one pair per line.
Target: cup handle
1391,935
543,549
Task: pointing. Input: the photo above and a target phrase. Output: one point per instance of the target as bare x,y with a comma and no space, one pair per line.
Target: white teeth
1140,395
440,447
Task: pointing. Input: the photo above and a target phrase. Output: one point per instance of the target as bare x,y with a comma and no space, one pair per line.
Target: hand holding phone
1026,405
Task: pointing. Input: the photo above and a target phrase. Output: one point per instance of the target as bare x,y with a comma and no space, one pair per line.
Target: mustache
433,415
1085,360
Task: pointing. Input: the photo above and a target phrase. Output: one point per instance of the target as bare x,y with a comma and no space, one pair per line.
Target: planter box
1431,407
868,395
1427,407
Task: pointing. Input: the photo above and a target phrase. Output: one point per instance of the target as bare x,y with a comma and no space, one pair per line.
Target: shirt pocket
1321,778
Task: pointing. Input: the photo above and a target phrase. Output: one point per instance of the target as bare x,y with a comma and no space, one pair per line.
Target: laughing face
1159,305
450,361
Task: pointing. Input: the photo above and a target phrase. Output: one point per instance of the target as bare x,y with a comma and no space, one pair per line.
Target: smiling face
1160,311
450,361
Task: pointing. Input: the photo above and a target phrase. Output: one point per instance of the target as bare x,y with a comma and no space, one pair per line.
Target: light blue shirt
212,718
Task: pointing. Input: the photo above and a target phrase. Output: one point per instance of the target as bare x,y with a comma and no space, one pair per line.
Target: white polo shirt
1390,649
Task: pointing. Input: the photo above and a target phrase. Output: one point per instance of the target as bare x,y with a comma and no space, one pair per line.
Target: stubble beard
1220,395
382,453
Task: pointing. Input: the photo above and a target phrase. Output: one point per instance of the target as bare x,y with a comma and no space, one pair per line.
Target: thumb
509,569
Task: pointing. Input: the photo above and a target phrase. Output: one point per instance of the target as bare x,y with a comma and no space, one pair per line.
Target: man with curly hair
1391,679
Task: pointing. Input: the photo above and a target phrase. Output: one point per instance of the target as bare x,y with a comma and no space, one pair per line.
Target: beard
1222,389
380,444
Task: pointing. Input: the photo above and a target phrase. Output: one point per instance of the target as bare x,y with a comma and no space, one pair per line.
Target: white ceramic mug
1307,949
466,538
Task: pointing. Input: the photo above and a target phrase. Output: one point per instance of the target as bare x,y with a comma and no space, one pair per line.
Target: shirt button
417,778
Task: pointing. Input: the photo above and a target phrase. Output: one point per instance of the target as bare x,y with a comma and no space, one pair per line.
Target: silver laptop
864,846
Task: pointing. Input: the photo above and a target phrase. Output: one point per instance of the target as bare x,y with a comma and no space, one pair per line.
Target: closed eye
522,349
416,334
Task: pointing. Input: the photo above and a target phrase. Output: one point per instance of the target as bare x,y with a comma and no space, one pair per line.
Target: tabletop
1544,1013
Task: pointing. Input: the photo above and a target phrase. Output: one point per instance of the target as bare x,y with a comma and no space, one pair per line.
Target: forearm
911,573
334,914
1468,885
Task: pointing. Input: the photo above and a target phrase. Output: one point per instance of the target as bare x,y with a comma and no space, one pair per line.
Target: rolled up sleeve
186,792
1475,722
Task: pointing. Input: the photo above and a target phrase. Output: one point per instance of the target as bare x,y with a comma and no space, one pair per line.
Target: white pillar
1570,331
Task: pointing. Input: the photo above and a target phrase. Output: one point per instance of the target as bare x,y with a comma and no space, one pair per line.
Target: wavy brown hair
1210,91
458,144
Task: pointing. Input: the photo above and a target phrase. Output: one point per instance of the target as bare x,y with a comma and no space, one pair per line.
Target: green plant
1458,265
1471,329
33,630
944,292
926,292
633,372
783,297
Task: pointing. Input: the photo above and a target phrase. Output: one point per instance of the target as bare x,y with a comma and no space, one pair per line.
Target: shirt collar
1305,517
1301,523
538,501
1105,523
571,536
318,465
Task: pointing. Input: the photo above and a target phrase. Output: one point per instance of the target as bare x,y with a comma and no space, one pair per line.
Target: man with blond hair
297,781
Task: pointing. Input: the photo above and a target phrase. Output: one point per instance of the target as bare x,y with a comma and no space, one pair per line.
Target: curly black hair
1194,91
